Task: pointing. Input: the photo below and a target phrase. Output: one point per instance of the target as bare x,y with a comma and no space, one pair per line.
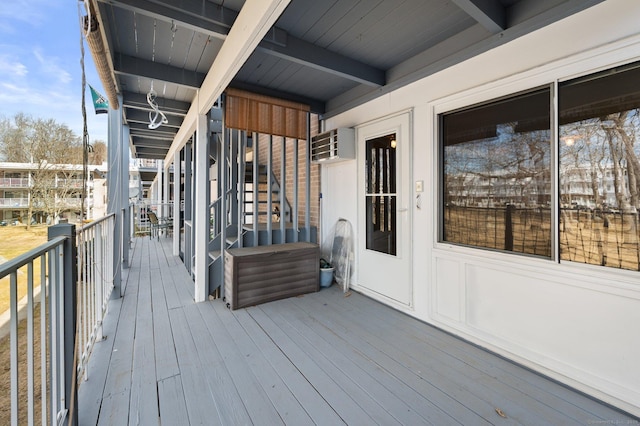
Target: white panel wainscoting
449,286
582,330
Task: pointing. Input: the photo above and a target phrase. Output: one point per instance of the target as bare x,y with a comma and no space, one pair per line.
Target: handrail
50,372
75,280
18,262
95,284
90,225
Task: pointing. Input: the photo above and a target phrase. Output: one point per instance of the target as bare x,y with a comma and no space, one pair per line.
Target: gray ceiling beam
142,117
151,143
216,20
129,65
137,130
151,150
168,106
161,139
150,156
465,45
305,53
488,13
196,15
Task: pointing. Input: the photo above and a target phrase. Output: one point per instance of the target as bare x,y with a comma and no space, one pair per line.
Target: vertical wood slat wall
263,114
266,116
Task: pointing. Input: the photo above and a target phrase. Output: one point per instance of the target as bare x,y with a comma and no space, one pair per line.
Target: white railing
68,282
42,358
95,283
140,219
14,202
14,182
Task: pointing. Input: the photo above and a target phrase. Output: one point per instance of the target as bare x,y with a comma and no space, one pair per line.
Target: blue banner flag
100,103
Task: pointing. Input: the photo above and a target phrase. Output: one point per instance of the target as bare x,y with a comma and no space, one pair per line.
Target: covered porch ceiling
332,55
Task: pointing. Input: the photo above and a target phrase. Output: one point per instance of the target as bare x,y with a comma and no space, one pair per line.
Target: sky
40,65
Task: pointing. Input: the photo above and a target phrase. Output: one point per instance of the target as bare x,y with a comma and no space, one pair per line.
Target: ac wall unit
334,145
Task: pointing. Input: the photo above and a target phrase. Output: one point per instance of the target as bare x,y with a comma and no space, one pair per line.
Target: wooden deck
318,359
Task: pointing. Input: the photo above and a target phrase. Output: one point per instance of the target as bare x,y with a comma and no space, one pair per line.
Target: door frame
360,244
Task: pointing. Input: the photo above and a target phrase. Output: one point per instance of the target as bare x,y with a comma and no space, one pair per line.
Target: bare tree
98,153
51,149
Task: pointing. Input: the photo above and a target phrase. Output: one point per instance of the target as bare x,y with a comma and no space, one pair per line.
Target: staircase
236,220
278,213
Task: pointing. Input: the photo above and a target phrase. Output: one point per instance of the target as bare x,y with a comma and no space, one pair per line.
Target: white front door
384,214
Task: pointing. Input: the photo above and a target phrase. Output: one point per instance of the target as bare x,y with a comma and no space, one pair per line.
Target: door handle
403,210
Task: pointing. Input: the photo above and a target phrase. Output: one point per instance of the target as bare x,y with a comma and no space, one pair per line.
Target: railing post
70,286
508,227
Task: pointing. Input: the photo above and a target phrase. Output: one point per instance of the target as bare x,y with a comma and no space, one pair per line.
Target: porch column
201,211
115,151
125,211
160,168
165,190
176,203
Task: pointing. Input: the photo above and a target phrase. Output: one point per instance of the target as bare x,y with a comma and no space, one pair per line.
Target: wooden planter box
255,275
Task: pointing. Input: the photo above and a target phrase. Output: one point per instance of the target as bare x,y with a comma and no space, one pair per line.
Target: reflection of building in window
496,181
497,177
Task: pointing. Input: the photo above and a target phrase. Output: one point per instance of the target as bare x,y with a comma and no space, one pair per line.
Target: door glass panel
380,194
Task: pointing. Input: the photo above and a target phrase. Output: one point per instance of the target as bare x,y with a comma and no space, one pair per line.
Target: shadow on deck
318,359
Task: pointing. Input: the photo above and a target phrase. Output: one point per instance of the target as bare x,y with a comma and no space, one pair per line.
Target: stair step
214,254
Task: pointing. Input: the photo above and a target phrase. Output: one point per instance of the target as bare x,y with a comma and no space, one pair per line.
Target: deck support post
118,183
176,202
166,212
159,182
70,278
201,210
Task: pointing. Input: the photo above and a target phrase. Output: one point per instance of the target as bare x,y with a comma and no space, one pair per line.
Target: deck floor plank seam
260,410
448,396
200,404
116,398
332,389
314,320
485,385
166,358
442,368
548,392
318,408
229,403
354,369
288,407
143,407
321,358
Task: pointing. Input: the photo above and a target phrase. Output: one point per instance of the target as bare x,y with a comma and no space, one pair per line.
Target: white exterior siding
576,323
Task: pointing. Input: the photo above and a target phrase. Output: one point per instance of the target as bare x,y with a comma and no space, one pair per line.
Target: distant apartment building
51,191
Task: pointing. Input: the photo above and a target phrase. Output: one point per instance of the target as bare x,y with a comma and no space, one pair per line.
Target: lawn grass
14,241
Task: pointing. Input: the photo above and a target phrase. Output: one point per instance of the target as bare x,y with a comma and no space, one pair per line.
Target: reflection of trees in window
496,183
381,197
600,169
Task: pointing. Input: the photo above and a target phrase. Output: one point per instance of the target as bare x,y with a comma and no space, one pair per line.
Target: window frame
551,75
553,169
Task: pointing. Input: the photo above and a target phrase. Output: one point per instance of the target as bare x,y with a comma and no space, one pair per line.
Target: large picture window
599,152
496,172
496,190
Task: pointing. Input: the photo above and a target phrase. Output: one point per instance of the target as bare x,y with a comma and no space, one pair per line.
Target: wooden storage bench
255,275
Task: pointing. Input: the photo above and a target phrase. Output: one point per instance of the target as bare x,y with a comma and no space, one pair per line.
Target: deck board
462,381
562,398
143,406
318,359
282,398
